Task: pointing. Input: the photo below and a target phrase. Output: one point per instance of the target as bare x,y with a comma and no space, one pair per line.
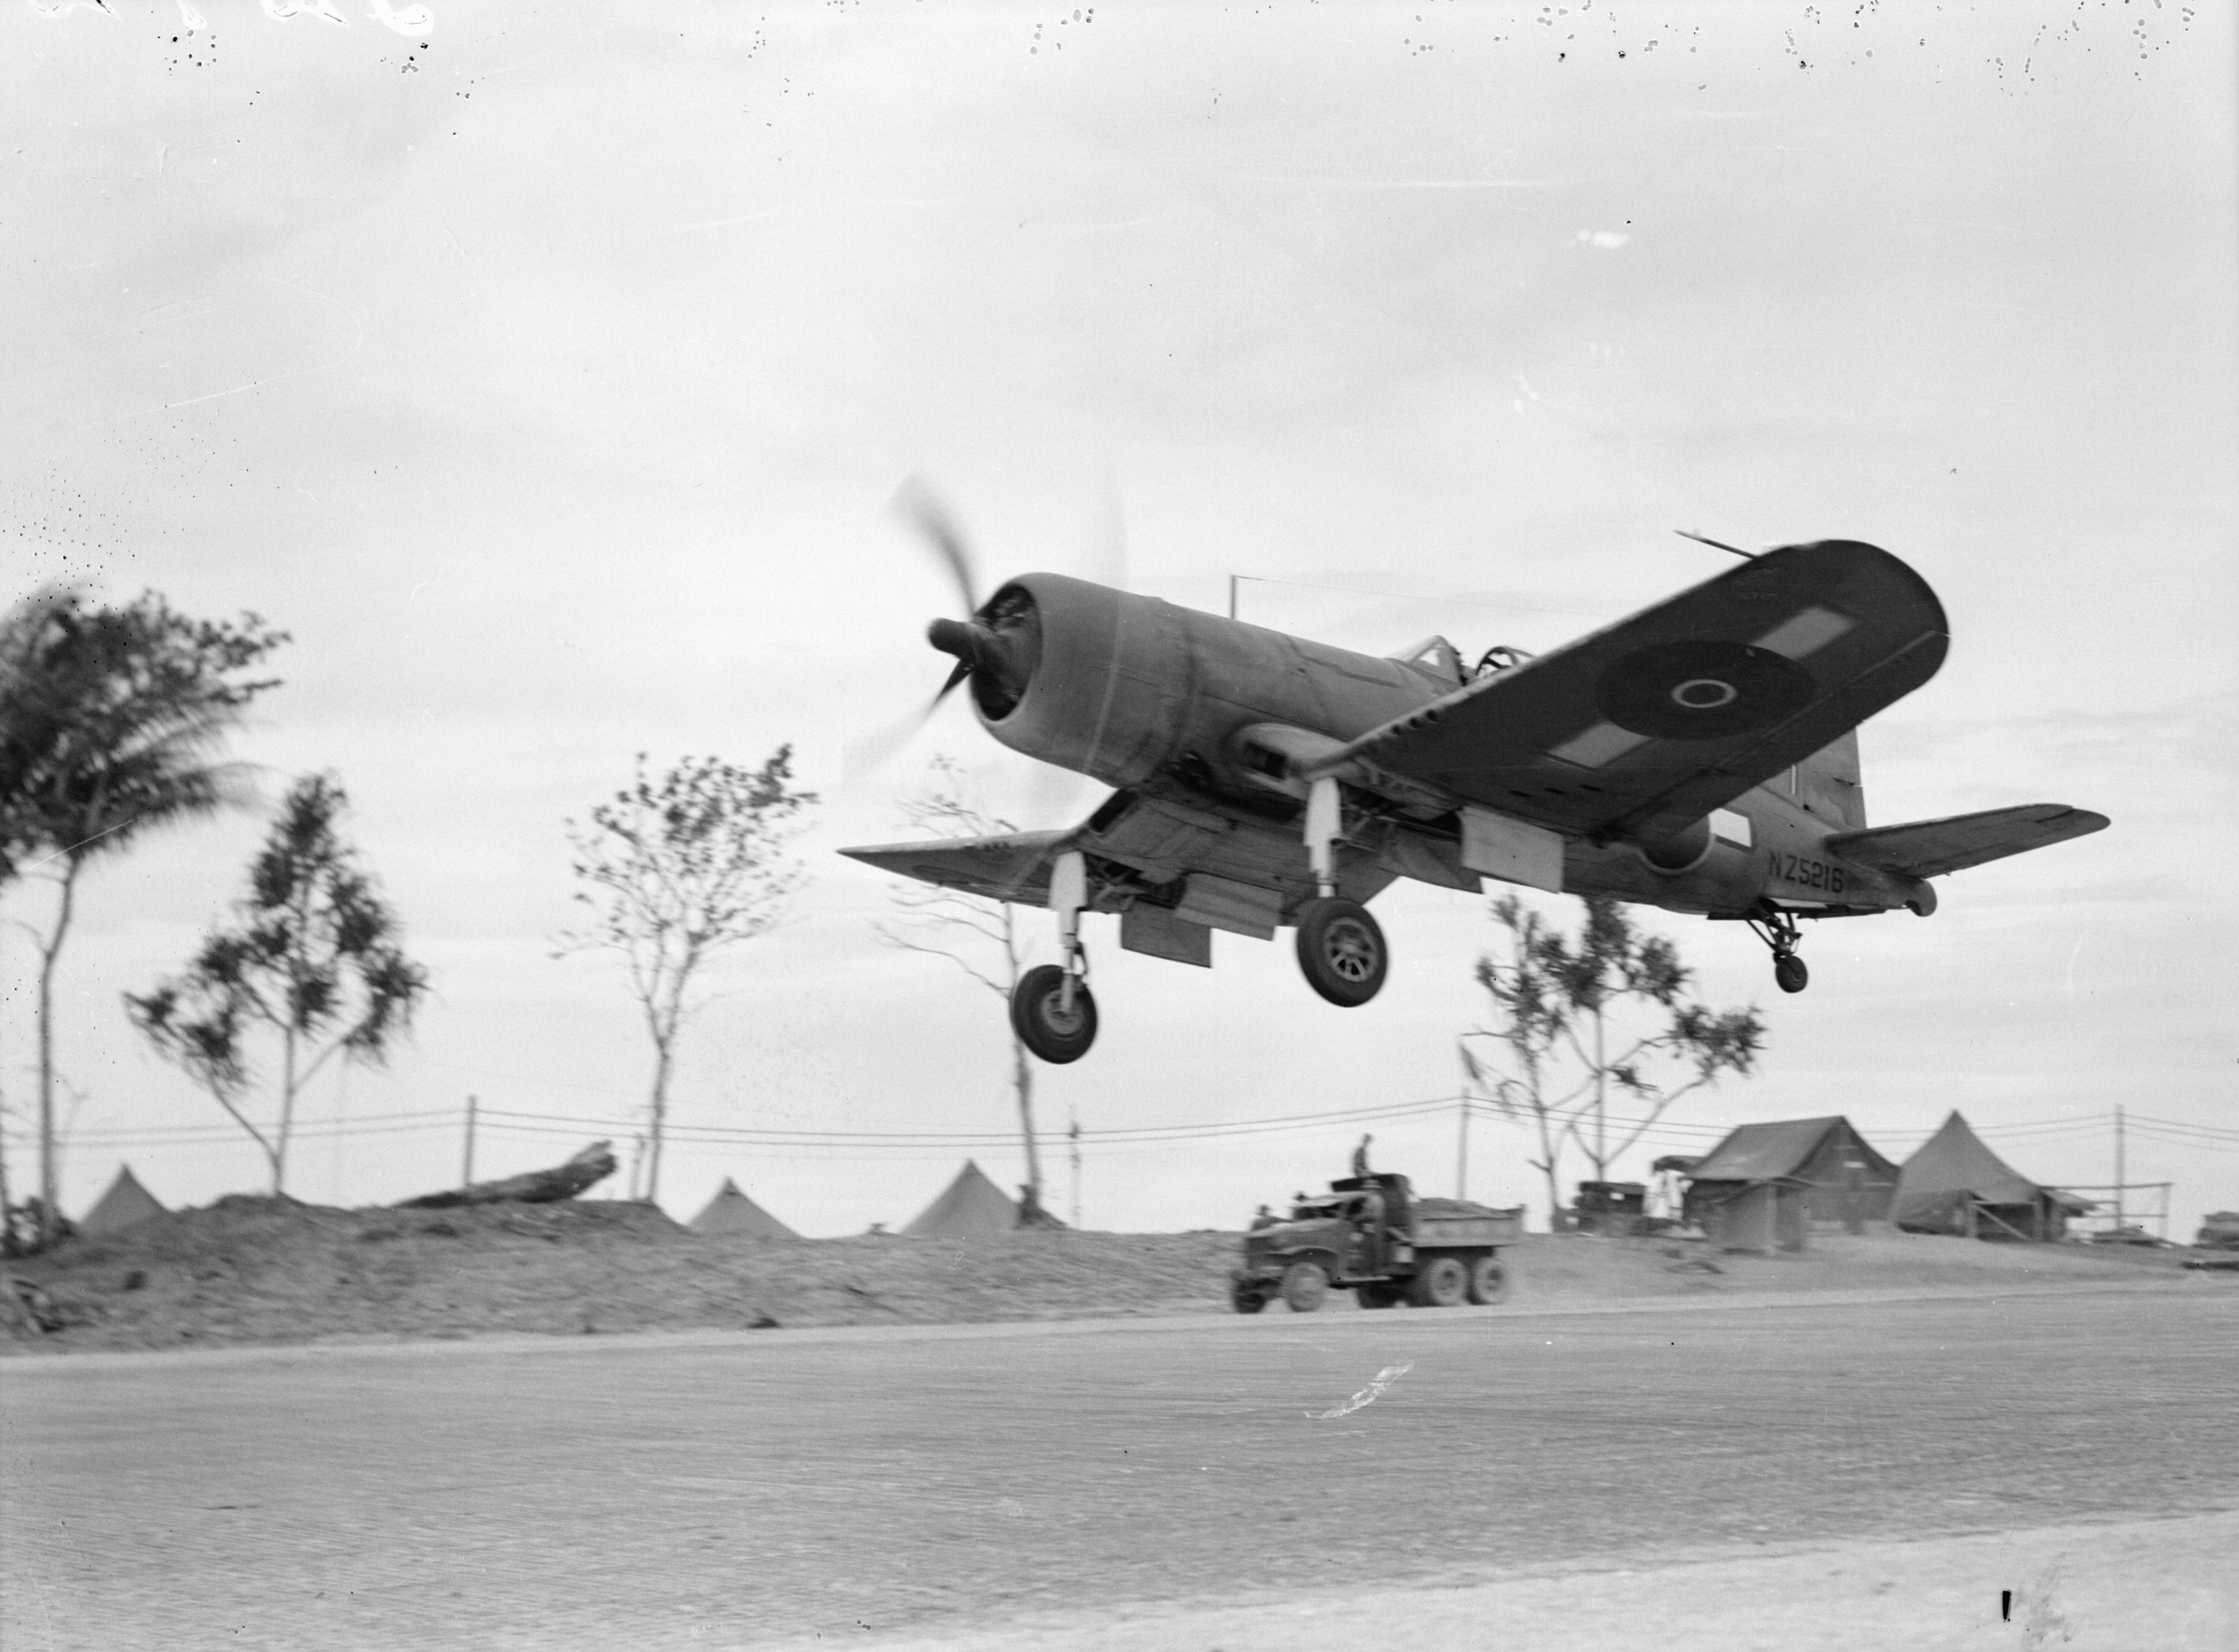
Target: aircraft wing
1647,724
1931,848
1012,866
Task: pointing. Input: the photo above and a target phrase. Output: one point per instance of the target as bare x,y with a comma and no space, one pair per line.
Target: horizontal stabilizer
1931,848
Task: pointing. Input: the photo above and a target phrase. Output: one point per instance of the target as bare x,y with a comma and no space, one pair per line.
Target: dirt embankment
249,1269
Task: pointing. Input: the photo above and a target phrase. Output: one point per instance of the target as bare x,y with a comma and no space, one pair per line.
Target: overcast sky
547,375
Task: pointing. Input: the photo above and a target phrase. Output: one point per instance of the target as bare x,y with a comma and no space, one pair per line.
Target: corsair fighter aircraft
1700,756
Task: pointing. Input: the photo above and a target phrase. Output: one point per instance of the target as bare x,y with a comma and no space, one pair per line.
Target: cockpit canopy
1435,658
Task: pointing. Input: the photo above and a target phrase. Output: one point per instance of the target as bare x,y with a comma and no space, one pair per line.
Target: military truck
1373,1235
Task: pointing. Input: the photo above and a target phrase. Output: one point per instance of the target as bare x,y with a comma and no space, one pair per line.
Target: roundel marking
1701,690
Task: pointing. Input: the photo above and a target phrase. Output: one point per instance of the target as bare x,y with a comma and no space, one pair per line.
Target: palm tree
108,721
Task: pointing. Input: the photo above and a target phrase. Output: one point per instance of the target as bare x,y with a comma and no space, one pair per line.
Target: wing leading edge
1012,866
1646,726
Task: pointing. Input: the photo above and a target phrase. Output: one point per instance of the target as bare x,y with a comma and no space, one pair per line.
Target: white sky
549,382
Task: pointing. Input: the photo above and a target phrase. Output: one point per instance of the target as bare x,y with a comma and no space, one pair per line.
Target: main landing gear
1778,930
1052,1009
1341,949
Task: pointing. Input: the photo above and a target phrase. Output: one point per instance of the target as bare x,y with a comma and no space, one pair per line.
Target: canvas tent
1763,1186
1955,1184
732,1212
968,1207
125,1203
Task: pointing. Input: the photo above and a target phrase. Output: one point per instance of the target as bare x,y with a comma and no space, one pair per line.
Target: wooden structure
1763,1187
594,1164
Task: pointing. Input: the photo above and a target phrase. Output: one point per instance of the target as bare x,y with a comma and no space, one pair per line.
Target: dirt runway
860,1485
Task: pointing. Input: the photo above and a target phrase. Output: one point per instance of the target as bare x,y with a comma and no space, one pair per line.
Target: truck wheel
1246,1297
1442,1283
1488,1280
1376,1296
1305,1285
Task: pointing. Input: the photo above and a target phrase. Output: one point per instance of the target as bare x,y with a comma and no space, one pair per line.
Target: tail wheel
1789,972
1488,1280
1341,950
1442,1282
1056,1031
1305,1287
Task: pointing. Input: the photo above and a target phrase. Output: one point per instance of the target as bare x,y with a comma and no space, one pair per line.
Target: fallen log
594,1164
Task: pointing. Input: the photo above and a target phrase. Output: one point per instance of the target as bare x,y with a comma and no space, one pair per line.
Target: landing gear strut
1778,930
1341,949
1052,1010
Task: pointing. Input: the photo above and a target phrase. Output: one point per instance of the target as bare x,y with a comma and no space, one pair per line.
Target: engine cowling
1091,679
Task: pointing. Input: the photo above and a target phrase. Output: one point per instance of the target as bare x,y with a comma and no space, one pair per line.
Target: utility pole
467,1170
1232,594
1461,1148
1073,1136
2118,1167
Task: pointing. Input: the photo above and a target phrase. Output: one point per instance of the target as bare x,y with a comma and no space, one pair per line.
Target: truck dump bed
1458,1224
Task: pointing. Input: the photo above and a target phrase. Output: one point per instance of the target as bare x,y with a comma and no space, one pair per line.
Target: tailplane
1931,848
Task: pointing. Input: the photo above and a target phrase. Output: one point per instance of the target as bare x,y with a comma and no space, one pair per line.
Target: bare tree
311,956
980,936
108,719
1557,1019
674,870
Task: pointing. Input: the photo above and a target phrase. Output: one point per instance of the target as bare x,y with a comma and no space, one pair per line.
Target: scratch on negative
1370,1395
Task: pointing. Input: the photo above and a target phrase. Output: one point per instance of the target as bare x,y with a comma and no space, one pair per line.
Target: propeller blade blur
860,759
914,500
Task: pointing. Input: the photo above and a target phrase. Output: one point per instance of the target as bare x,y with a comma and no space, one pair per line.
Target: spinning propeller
986,643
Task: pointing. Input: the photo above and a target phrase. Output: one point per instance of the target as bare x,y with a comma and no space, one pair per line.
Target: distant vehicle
1700,756
2219,1231
1373,1237
2130,1233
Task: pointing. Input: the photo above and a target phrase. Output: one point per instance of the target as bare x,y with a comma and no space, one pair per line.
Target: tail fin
1829,782
1931,848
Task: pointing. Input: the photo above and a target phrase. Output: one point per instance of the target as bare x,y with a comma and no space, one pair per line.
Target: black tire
1043,1025
1246,1295
1442,1282
1789,973
1378,1296
1488,1281
1305,1287
1341,950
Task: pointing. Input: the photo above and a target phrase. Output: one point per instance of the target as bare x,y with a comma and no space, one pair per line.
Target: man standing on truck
1360,1157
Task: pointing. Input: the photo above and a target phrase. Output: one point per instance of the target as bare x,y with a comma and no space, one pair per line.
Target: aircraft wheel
1044,1024
1304,1286
1488,1280
1442,1283
1789,973
1341,950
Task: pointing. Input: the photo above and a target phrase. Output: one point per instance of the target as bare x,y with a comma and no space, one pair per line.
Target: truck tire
1488,1280
1378,1296
1304,1286
1442,1283
1246,1295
